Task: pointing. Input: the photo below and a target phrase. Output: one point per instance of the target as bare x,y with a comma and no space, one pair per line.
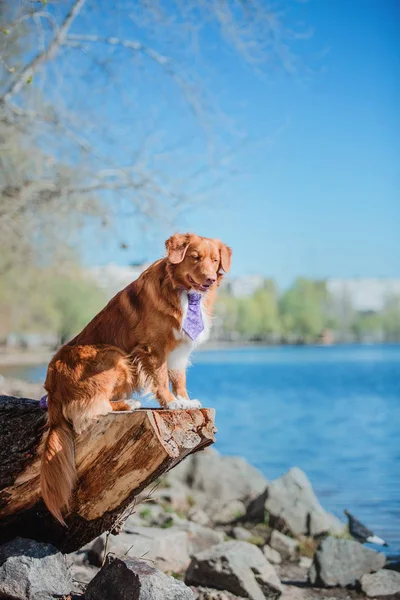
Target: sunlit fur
124,348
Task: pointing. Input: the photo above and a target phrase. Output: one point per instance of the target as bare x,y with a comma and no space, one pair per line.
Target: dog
142,339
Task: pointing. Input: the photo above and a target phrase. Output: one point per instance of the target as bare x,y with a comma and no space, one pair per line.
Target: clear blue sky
322,197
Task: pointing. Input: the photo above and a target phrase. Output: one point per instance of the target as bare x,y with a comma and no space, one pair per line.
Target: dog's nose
210,280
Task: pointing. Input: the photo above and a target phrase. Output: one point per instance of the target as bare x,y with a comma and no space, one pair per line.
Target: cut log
116,459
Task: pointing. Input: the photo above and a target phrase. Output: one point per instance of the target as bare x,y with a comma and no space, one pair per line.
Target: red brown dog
142,339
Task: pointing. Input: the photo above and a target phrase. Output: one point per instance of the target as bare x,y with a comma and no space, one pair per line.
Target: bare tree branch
46,55
191,92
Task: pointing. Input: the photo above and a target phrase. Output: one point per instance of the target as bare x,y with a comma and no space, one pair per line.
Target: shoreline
25,358
43,355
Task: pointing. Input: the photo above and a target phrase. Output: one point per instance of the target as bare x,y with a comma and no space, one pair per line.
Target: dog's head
198,262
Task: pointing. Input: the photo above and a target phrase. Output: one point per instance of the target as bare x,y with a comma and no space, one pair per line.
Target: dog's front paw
183,403
133,403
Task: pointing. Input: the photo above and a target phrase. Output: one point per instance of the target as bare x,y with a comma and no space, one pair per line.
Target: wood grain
116,458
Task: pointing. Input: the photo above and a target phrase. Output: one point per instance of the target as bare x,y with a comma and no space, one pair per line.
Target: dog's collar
194,298
43,402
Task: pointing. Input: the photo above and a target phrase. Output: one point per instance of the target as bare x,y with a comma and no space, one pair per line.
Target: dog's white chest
179,358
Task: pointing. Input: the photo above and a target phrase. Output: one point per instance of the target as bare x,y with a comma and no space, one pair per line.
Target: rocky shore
213,529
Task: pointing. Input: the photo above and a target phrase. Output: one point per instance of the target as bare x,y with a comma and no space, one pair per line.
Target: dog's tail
58,473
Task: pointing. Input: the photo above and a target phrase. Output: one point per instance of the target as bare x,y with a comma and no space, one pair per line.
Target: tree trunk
116,458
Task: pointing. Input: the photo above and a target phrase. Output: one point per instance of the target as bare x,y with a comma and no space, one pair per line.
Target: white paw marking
133,403
181,403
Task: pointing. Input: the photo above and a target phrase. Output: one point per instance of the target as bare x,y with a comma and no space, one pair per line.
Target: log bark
116,458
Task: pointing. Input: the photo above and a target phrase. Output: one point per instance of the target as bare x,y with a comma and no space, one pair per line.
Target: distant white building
364,294
244,285
112,278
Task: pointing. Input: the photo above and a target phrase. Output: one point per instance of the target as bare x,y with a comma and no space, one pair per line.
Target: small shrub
308,546
145,513
257,540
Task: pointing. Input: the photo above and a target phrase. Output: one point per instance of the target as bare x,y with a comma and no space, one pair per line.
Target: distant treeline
305,313
46,305
54,303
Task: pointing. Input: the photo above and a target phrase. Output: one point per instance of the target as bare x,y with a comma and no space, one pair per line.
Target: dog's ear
226,256
176,247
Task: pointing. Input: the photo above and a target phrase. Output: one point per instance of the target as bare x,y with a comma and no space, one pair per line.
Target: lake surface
334,412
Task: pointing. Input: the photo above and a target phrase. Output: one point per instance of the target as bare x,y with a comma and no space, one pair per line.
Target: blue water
334,412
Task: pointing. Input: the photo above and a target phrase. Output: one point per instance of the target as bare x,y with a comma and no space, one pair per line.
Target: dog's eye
195,257
215,260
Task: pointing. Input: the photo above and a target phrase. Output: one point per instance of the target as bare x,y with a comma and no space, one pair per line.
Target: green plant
257,540
146,513
308,546
190,500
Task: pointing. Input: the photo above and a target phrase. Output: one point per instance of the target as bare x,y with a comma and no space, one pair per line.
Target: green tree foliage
47,301
367,325
76,302
391,319
302,314
227,311
266,305
303,309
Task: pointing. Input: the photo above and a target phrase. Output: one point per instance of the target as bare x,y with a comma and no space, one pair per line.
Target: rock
197,515
202,593
287,547
272,555
343,562
290,502
81,575
135,519
168,548
237,567
215,480
89,554
381,584
256,512
21,388
336,527
177,496
148,513
168,519
200,538
132,579
231,511
305,562
242,534
32,571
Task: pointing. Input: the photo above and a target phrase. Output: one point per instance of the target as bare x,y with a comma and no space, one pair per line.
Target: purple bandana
43,402
193,324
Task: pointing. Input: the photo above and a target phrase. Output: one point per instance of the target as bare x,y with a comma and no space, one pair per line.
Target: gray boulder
198,515
132,579
81,575
382,584
305,562
242,534
215,480
236,567
291,501
200,538
32,571
167,548
287,547
272,555
231,511
343,562
202,593
177,496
